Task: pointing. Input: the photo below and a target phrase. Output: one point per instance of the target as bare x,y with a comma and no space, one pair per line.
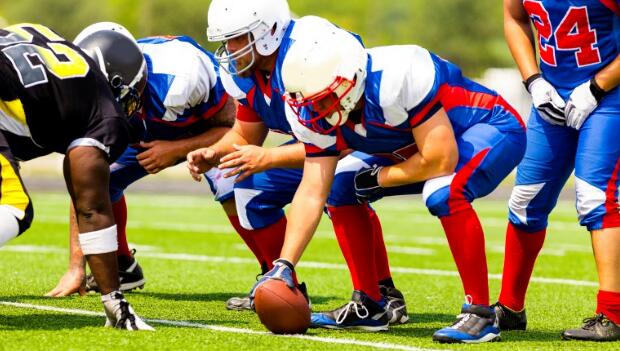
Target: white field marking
219,328
307,264
411,250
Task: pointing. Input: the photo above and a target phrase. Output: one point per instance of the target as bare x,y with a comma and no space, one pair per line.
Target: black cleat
129,273
475,324
243,303
597,328
360,313
396,306
509,319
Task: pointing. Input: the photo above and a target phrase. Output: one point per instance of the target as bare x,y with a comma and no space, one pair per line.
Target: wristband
530,80
596,90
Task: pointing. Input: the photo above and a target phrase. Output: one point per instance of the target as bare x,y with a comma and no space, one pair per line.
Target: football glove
582,101
546,100
282,270
120,314
367,188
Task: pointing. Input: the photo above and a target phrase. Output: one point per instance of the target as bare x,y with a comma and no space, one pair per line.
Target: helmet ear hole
116,81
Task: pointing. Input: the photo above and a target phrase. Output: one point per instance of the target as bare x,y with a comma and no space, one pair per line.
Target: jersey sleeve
316,144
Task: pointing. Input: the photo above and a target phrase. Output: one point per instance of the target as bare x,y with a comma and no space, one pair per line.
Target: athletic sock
466,241
248,238
353,229
521,251
119,209
382,263
608,303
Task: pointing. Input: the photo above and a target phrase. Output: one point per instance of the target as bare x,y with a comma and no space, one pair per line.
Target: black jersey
54,94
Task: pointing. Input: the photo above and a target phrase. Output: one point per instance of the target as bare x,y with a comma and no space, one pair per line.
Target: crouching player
184,107
573,126
381,101
54,98
255,39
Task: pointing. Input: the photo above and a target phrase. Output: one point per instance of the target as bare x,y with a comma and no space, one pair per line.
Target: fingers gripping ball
281,309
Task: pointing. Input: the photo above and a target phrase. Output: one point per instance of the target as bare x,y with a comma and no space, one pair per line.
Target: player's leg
486,156
15,207
597,172
547,164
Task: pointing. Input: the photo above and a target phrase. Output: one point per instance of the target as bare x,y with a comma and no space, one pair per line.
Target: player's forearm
225,145
609,77
76,257
288,156
208,138
520,38
417,169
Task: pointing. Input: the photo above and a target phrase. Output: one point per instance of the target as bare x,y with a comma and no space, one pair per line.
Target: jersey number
28,59
573,34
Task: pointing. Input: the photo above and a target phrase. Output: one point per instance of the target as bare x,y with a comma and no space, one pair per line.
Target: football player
256,36
380,101
573,124
54,98
184,107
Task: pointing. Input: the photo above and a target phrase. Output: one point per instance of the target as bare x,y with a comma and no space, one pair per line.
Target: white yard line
306,264
219,328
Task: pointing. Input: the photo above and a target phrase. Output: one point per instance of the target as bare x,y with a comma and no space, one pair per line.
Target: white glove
547,101
580,104
120,314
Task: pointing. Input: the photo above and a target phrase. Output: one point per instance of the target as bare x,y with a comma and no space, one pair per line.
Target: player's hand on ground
120,314
547,101
580,105
367,188
282,270
158,155
247,160
200,161
72,282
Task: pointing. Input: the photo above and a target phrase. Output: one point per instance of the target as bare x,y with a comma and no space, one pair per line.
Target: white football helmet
263,21
324,74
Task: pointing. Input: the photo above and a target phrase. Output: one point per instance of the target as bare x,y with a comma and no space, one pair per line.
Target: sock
382,263
9,227
119,209
248,237
466,240
608,303
270,240
353,229
521,251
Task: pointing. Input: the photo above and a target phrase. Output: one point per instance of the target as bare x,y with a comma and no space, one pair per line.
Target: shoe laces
391,301
589,323
352,305
461,319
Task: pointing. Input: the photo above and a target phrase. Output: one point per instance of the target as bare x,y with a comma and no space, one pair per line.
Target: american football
281,309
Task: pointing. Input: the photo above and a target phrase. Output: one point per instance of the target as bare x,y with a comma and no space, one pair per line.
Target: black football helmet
121,61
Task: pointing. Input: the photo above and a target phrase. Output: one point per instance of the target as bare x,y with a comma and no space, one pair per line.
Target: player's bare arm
520,37
307,205
609,77
242,133
437,156
161,154
250,159
87,176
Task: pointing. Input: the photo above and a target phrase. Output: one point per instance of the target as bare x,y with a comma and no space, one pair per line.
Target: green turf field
194,262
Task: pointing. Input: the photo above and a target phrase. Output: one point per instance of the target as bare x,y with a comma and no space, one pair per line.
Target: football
281,309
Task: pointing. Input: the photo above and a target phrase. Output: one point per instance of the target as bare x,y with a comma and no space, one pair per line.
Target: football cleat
119,314
129,273
244,303
597,328
396,307
361,312
475,324
509,319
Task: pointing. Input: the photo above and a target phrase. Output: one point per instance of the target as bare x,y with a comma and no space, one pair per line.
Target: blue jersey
183,88
405,86
577,38
260,97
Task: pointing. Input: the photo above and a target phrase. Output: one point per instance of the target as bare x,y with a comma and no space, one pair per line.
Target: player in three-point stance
54,98
384,99
256,36
572,126
184,107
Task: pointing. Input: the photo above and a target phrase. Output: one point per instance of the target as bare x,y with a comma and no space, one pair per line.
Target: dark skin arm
87,174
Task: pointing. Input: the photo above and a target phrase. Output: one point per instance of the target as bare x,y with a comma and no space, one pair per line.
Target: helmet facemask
129,95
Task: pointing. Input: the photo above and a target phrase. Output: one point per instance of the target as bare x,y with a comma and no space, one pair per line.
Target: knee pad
591,204
521,214
436,193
